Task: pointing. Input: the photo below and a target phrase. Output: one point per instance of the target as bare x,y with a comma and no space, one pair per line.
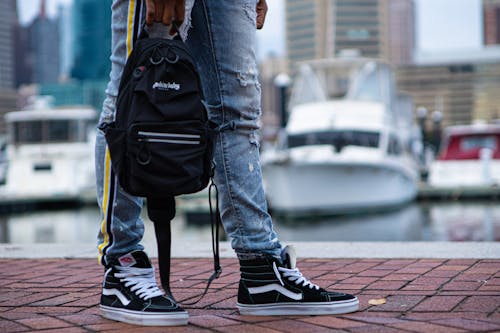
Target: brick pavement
426,295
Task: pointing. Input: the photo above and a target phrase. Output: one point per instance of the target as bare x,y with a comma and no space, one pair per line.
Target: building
463,87
491,21
8,20
66,38
44,48
398,36
376,28
92,39
271,101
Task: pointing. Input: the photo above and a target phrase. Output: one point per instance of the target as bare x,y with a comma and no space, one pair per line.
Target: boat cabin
467,142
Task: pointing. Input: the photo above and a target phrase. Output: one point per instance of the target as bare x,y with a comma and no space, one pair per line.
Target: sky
442,25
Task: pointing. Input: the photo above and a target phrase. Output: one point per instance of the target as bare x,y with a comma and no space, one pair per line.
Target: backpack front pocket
167,158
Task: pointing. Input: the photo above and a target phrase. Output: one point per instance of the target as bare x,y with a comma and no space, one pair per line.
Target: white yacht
50,155
349,145
469,157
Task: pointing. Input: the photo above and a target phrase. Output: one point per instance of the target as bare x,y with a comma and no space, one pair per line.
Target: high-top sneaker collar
289,257
137,259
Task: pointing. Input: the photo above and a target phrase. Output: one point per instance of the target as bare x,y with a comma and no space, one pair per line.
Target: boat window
394,147
60,130
338,139
477,142
46,131
28,132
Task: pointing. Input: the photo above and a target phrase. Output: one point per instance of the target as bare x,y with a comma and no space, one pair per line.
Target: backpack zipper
177,138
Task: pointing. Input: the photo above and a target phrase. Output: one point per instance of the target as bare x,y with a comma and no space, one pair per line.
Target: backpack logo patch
166,86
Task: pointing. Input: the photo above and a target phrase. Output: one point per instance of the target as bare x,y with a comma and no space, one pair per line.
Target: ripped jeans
221,38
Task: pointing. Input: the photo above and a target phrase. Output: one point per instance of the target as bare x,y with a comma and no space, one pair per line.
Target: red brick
421,287
373,317
294,326
10,326
211,321
413,270
332,322
472,277
82,319
493,282
470,325
400,277
465,285
425,327
387,285
346,286
361,280
45,322
246,328
468,262
491,268
436,281
376,329
334,277
251,319
456,268
356,267
442,273
485,304
399,303
375,273
439,303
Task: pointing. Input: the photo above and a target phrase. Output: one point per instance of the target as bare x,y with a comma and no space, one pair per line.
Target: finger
160,8
180,11
168,13
150,12
261,13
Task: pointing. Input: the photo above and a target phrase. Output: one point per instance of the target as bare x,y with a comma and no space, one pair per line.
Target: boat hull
465,173
343,188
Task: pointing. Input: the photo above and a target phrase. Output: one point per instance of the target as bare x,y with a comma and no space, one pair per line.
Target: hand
261,13
165,11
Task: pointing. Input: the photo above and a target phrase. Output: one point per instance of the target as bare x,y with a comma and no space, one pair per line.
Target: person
221,35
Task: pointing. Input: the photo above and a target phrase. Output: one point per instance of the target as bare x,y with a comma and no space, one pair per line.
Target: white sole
304,308
144,318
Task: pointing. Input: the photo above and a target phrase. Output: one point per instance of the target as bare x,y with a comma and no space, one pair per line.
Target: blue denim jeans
221,37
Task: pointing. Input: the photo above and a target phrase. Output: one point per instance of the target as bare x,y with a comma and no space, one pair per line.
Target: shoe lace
296,276
140,280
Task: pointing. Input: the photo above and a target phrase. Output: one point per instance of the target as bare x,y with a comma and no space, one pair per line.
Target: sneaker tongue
135,259
289,257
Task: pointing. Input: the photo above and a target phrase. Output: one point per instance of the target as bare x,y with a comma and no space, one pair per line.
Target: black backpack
161,142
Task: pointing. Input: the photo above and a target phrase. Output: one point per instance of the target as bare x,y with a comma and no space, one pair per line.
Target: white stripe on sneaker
275,287
115,292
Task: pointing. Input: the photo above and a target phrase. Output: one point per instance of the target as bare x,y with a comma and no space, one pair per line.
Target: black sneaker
130,294
270,287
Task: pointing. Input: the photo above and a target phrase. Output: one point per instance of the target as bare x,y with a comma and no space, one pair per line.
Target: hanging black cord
215,222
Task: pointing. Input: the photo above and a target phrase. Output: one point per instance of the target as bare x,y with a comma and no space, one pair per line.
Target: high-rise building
92,39
491,21
398,36
44,48
375,28
8,18
66,38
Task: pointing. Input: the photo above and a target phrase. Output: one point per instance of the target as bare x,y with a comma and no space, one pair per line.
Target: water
441,221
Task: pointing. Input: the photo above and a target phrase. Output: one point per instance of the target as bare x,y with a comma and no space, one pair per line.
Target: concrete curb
449,250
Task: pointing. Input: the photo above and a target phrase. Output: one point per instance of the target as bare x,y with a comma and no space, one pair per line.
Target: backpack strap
161,211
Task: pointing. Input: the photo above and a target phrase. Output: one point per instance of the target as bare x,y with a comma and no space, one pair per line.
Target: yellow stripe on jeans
105,203
130,25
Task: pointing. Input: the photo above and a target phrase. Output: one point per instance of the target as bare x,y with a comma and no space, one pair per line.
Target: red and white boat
469,157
